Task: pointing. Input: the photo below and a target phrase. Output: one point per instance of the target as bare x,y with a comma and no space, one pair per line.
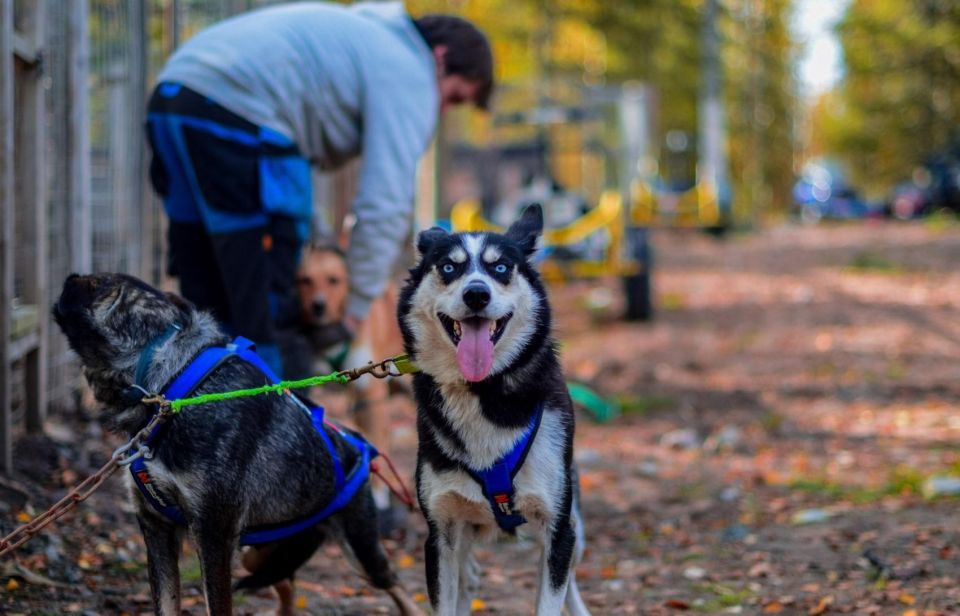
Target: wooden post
6,228
78,137
31,195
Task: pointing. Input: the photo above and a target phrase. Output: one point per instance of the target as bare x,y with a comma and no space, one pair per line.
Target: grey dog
229,465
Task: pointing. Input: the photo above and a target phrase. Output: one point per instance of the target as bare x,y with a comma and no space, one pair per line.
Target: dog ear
427,239
526,230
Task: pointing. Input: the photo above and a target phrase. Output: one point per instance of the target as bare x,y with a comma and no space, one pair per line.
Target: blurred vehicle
822,193
932,187
944,178
907,200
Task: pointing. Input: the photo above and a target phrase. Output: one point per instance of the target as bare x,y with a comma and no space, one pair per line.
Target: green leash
176,405
401,365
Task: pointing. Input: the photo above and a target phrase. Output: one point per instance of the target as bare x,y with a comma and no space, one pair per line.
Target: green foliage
897,103
550,47
871,262
643,404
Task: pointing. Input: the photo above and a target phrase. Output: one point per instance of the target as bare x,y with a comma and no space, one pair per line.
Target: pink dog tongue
475,351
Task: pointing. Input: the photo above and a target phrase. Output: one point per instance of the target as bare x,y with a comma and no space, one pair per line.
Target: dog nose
476,296
319,307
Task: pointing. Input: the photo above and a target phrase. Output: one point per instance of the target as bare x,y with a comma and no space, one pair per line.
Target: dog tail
278,561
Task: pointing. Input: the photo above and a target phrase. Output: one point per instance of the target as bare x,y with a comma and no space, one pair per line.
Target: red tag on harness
503,502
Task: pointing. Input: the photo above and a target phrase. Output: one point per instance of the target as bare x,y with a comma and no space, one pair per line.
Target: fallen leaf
405,562
910,613
676,604
477,605
822,606
906,598
23,516
419,597
312,587
301,603
12,584
774,607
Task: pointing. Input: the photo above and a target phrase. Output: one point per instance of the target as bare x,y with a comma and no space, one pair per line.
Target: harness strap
144,482
345,485
497,480
346,489
146,356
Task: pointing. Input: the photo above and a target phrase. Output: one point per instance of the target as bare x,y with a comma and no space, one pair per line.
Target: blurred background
770,187
716,114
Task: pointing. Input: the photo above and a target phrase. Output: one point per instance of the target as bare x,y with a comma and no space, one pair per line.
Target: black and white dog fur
475,319
228,465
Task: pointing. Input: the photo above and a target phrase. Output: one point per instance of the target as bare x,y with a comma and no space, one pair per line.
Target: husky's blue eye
448,268
500,268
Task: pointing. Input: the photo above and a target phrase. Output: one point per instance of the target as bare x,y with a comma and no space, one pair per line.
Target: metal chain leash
134,448
122,456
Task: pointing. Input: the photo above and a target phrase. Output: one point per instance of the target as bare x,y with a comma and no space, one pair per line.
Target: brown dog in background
323,283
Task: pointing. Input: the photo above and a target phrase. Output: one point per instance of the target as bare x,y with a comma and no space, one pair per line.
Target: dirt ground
785,419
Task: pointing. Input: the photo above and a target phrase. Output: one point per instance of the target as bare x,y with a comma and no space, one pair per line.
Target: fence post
6,227
31,197
78,136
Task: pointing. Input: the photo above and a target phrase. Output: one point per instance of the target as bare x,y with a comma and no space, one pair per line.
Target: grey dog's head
109,319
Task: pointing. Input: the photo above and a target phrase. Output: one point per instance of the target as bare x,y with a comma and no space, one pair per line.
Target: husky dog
495,421
227,466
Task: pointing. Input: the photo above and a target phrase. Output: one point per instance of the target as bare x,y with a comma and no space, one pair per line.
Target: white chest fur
538,485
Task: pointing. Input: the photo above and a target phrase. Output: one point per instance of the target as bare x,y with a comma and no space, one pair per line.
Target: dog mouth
474,338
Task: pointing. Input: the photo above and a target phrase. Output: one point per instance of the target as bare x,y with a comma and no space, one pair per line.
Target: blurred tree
761,97
658,42
546,49
898,101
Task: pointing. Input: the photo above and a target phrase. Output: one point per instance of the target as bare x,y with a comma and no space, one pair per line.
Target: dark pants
239,201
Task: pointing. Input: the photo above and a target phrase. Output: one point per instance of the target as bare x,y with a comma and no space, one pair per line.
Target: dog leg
469,582
163,543
574,602
255,558
216,541
445,552
360,543
285,593
556,564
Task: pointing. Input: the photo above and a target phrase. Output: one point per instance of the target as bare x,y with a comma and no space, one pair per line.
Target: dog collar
497,479
135,392
338,362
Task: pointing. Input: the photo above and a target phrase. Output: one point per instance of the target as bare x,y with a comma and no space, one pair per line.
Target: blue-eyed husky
495,422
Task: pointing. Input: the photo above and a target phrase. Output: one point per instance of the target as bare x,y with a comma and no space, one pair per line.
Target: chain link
120,457
60,509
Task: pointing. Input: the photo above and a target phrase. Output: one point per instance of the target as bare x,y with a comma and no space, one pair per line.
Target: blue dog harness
497,479
346,484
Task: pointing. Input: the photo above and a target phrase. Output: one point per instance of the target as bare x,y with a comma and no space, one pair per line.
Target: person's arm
397,125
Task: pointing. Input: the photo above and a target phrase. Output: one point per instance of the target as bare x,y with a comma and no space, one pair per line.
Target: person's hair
468,51
327,245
